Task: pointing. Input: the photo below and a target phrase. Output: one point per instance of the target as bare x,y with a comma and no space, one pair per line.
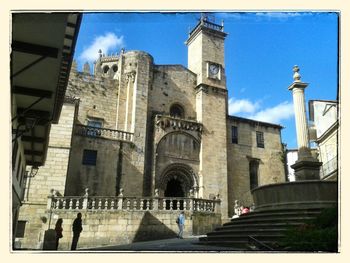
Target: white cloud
242,106
275,114
106,43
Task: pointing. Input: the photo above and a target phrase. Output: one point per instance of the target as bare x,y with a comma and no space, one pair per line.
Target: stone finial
100,53
296,75
86,68
86,192
121,192
156,192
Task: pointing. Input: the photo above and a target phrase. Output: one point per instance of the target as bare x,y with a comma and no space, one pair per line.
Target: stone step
239,244
254,215
269,220
247,231
268,227
258,225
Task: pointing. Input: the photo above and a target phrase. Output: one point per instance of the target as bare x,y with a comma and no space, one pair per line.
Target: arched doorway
177,181
174,189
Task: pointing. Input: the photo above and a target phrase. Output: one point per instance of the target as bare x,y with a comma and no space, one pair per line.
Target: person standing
58,230
77,228
181,224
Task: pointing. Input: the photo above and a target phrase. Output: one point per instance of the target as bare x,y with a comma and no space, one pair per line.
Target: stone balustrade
95,132
133,203
164,121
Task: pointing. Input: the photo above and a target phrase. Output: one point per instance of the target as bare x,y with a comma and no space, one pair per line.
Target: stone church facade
135,128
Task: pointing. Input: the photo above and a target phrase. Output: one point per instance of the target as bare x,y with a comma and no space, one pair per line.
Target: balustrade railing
164,121
95,132
133,203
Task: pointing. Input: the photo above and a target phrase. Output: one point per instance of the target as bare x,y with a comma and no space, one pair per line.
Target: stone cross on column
306,167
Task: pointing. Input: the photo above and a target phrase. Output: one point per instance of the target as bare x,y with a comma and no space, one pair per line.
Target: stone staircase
259,230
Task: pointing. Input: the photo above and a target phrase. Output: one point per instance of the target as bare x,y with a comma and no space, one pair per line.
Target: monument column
306,167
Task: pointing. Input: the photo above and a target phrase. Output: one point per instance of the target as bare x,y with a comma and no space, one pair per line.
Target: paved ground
188,244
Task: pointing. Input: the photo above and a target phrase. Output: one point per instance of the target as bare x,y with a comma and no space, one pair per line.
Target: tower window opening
177,111
105,69
115,68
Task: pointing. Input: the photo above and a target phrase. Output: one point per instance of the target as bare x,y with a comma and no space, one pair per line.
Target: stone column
306,167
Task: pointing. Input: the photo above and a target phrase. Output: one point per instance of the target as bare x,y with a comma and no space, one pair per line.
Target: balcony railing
133,203
94,132
164,122
329,167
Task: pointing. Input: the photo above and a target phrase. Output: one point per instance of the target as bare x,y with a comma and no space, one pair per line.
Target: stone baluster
120,202
178,205
112,204
164,204
147,204
64,204
141,204
77,203
191,204
185,204
106,204
198,208
155,203
135,204
171,204
93,204
86,198
128,204
70,204
99,204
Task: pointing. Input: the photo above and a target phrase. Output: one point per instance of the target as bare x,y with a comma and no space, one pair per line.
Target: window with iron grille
260,139
234,135
89,157
93,127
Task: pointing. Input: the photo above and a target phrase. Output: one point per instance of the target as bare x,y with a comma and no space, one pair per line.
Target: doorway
174,189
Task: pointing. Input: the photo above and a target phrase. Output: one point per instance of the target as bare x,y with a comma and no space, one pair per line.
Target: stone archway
178,180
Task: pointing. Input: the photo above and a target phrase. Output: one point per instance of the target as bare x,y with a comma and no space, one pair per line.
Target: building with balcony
139,141
42,53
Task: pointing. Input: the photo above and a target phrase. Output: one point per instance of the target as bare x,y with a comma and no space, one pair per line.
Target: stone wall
211,112
50,176
106,228
173,84
271,167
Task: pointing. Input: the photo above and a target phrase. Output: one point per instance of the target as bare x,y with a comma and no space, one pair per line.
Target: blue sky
260,51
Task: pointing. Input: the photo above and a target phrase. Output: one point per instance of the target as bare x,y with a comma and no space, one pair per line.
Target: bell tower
206,53
206,59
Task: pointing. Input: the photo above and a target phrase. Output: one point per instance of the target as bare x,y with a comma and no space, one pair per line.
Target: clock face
214,69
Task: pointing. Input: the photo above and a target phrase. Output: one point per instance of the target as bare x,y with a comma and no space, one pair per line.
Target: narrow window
21,226
89,157
253,173
234,134
105,69
14,154
260,139
177,111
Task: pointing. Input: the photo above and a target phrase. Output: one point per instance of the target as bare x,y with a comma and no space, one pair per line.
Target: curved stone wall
300,194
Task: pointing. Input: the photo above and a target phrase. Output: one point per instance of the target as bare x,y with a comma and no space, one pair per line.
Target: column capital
298,85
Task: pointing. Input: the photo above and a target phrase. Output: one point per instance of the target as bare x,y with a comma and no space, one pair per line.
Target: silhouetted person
77,228
58,230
